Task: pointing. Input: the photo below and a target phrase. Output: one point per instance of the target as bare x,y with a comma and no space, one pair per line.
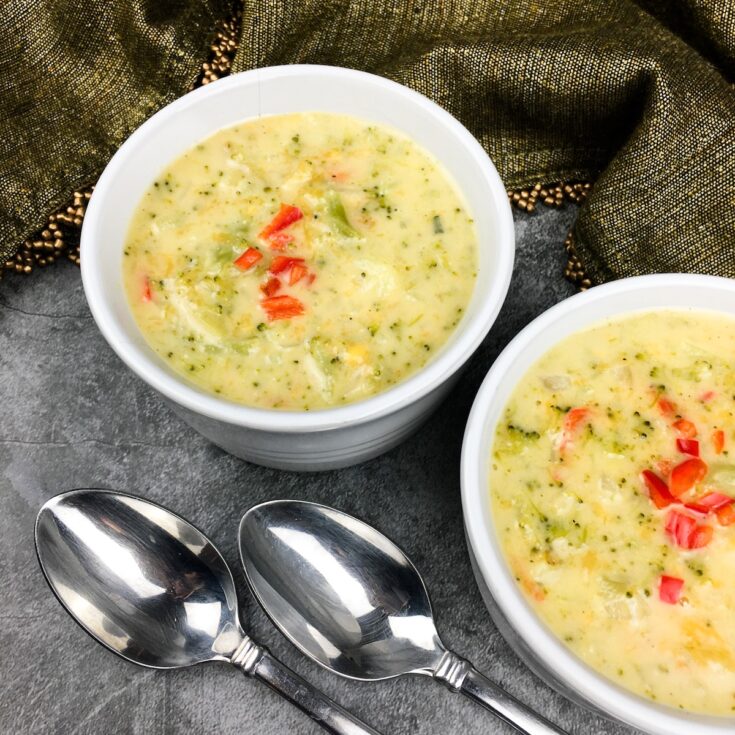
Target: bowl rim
469,334
601,693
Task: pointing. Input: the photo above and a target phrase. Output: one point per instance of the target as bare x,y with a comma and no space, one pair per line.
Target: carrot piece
573,421
658,491
529,584
686,475
685,428
669,589
688,446
534,589
718,440
667,407
146,293
664,467
726,515
248,259
285,217
282,263
279,240
282,307
707,396
298,271
271,287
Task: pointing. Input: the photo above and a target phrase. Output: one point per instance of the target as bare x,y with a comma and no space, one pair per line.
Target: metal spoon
153,589
347,596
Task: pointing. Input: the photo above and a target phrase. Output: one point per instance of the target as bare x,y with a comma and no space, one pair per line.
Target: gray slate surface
71,415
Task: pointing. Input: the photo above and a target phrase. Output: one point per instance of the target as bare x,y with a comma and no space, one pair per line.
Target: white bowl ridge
525,631
290,439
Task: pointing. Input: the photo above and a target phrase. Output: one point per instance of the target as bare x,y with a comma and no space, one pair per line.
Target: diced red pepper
709,503
248,259
701,511
715,501
298,271
685,532
271,286
686,475
700,537
282,263
669,589
573,421
666,407
282,307
707,396
680,527
279,240
286,216
146,293
685,428
726,515
718,441
658,491
688,446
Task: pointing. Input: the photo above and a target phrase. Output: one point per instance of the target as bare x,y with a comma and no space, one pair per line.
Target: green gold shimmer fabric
76,78
635,96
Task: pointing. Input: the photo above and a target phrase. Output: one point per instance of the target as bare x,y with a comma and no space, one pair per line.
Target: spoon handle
256,661
461,676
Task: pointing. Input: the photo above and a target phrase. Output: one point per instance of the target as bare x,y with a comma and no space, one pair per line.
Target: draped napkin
634,96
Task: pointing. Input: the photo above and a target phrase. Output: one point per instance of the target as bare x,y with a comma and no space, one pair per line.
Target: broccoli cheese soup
612,485
300,261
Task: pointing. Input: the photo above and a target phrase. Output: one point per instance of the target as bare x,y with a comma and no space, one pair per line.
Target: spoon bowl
341,592
153,589
143,582
350,599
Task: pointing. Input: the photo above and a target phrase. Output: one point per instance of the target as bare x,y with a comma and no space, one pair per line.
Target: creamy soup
612,478
300,261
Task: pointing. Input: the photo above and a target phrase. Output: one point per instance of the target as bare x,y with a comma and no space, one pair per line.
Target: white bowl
514,617
327,438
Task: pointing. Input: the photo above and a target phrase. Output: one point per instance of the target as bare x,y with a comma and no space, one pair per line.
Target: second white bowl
516,620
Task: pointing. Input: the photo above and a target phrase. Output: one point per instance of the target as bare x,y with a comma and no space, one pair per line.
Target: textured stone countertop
73,416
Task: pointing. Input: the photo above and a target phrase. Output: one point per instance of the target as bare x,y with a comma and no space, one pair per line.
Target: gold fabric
632,95
76,78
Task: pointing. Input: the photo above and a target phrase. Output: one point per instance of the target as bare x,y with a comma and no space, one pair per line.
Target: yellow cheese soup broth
617,532
300,261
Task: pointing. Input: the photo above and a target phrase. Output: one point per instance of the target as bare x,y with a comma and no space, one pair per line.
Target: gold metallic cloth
635,96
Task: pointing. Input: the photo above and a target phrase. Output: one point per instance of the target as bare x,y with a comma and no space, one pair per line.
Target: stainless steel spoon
347,596
153,589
